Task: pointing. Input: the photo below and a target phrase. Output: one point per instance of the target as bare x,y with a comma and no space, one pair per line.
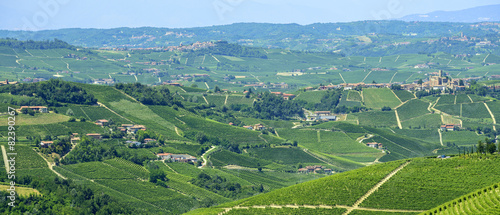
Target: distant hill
477,14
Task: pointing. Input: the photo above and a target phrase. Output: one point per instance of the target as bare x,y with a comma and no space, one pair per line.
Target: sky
57,14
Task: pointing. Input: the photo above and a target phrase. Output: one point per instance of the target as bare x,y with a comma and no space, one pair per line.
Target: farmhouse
136,128
102,122
450,127
133,142
248,127
177,157
259,127
41,109
374,145
147,140
45,144
95,136
288,96
323,116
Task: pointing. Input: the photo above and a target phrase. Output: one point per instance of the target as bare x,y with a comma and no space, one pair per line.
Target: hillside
471,15
404,187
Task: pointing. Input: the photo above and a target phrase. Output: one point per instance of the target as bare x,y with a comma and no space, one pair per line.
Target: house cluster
315,169
281,85
104,81
32,80
375,145
137,143
256,127
131,128
177,157
322,116
41,109
102,122
95,136
46,144
284,95
74,56
450,127
436,81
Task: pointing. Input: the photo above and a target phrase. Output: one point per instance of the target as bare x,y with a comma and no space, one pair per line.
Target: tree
260,169
217,89
491,147
420,82
480,147
386,108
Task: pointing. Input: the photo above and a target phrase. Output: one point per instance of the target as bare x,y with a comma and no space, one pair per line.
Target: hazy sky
56,14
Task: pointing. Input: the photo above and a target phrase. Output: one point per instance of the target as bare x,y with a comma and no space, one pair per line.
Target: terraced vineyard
482,201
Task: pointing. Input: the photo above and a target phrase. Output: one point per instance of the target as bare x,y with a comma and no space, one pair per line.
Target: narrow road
396,95
492,116
375,188
342,78
225,102
205,100
51,166
397,118
205,161
440,136
112,111
471,99
393,78
5,159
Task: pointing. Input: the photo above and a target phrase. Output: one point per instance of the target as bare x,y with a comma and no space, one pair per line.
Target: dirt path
455,102
101,104
177,131
366,76
492,116
127,95
393,76
440,136
317,157
206,100
5,159
319,137
368,136
51,165
342,78
203,156
375,188
276,132
215,58
225,102
397,118
396,95
169,167
470,99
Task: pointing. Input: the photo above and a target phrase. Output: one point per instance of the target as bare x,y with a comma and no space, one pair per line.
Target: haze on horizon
57,14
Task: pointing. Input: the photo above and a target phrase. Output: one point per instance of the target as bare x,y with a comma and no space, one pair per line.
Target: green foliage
52,92
98,170
148,95
275,107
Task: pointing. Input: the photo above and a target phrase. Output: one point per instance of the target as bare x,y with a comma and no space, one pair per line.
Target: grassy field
41,118
378,98
377,118
311,96
224,157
